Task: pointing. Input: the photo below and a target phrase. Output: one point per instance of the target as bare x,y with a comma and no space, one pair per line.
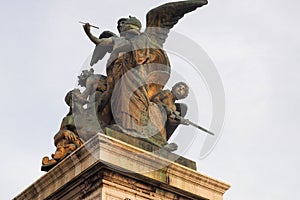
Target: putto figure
166,99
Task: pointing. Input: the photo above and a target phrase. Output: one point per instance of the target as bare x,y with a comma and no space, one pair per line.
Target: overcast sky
253,44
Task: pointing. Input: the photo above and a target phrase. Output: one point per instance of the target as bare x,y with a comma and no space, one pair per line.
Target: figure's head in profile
180,90
85,74
131,25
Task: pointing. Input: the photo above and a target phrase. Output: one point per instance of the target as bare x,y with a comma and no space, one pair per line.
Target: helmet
130,20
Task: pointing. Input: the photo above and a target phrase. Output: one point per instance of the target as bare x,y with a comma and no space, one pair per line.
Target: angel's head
180,90
131,25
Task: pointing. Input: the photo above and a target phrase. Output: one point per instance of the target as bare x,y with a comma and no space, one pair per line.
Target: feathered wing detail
161,19
101,50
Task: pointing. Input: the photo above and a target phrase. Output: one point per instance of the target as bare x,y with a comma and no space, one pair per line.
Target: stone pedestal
106,168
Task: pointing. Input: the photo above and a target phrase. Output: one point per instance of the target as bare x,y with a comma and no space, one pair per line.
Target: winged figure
138,68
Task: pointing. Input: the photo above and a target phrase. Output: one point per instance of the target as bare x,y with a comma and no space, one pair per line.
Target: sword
188,122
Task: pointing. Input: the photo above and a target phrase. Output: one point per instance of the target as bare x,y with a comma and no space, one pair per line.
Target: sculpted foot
47,164
171,147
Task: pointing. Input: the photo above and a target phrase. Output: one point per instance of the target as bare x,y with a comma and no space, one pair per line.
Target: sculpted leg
66,142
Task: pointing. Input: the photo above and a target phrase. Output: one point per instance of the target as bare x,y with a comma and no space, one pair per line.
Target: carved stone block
109,169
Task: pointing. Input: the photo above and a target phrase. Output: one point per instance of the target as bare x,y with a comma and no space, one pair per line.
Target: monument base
108,169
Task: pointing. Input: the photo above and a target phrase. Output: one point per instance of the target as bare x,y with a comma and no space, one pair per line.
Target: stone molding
104,164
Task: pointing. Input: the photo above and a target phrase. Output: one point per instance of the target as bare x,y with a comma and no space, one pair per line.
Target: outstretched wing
101,50
161,19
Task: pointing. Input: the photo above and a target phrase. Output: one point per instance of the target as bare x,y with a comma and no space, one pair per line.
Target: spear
90,25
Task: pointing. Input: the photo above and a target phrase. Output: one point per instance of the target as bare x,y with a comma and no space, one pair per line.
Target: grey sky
254,45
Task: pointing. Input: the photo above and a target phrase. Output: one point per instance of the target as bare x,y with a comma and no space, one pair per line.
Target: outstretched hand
87,27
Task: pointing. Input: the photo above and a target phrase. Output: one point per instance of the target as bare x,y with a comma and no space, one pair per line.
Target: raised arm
94,39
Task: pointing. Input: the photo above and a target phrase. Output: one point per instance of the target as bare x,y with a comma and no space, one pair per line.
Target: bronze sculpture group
131,98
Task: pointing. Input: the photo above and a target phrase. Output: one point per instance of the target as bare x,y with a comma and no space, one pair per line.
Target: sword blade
201,128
